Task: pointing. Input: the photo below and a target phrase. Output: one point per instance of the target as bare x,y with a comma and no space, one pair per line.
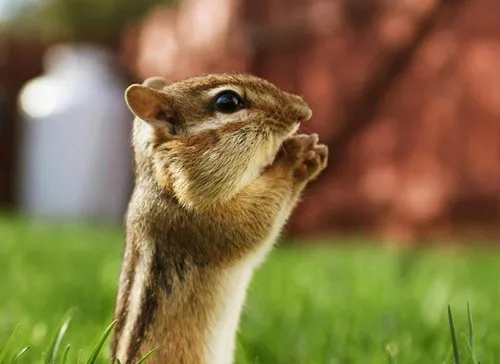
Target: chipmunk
218,170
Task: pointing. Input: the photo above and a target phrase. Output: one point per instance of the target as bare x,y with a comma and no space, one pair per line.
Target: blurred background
406,93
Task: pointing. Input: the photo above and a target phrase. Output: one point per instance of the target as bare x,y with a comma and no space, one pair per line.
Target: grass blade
5,350
471,334
21,353
65,354
53,349
145,357
80,354
98,346
454,341
389,350
390,358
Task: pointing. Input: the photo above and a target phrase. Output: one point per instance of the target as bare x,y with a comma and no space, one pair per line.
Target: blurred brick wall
406,93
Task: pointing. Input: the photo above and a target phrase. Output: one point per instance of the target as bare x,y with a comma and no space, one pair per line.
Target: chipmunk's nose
300,108
308,113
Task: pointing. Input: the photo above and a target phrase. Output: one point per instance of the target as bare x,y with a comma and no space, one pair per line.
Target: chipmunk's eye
228,102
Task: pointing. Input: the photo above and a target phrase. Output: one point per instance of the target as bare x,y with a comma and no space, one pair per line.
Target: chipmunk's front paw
306,157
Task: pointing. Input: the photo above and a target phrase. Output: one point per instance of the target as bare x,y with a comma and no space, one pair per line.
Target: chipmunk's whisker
283,149
303,130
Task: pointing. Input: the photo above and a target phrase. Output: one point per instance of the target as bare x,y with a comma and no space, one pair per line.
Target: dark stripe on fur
149,305
122,314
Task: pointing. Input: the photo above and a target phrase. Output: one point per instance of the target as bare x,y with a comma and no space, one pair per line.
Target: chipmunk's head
218,130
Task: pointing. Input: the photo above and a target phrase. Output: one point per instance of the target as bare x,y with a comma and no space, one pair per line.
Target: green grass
355,304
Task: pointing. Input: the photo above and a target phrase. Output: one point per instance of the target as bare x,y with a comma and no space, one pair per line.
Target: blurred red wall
406,93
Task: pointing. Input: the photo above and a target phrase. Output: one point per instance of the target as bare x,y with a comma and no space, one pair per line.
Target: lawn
350,304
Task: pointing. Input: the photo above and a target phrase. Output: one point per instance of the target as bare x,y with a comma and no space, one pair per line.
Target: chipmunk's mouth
293,130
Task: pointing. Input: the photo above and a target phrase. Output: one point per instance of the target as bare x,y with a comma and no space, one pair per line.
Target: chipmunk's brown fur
212,193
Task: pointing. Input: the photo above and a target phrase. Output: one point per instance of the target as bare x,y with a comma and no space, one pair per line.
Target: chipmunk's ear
155,82
150,105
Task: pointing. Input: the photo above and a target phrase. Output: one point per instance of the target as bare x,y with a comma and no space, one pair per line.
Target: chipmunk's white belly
221,335
231,296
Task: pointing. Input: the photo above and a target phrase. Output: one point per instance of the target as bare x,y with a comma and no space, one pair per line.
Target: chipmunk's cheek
202,142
